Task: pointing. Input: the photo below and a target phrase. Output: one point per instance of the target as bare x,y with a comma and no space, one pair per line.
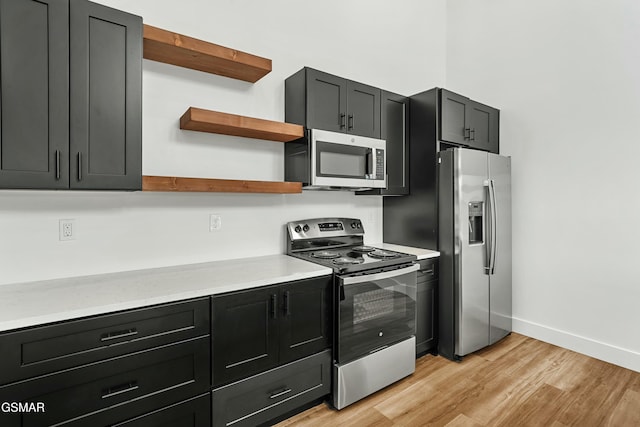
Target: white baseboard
609,353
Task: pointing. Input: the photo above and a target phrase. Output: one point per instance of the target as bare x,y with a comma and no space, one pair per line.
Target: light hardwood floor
517,382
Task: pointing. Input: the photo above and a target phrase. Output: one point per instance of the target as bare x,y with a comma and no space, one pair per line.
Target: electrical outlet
67,229
215,222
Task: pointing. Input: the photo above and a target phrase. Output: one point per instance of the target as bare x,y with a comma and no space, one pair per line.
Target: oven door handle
378,276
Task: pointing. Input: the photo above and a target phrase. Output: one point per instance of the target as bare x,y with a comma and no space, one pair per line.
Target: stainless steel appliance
374,304
332,160
474,192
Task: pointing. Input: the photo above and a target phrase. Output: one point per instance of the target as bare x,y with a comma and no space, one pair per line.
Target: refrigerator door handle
487,232
494,225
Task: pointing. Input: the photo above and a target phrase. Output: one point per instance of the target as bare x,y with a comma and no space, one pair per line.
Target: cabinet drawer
42,350
428,269
195,412
152,378
191,413
268,395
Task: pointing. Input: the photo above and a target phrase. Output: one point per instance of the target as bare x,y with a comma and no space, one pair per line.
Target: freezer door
500,280
472,281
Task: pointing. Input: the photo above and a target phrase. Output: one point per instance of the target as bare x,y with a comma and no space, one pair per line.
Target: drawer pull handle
120,389
281,393
118,334
430,271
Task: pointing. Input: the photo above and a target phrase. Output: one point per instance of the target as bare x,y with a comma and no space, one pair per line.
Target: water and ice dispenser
476,212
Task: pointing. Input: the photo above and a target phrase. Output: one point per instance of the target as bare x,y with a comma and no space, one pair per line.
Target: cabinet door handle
120,389
351,121
57,164
472,134
429,272
109,336
342,121
280,393
467,133
287,308
79,166
274,302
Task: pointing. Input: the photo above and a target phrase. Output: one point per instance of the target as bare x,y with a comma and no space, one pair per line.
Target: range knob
354,225
305,228
297,229
359,225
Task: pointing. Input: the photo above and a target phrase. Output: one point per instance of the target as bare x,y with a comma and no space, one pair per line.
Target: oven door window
342,161
375,313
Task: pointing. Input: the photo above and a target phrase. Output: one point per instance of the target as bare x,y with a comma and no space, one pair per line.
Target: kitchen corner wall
397,47
566,78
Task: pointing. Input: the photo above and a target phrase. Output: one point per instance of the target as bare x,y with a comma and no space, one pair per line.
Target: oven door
341,160
375,311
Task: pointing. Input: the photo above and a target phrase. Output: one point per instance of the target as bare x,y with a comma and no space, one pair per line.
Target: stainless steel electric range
374,304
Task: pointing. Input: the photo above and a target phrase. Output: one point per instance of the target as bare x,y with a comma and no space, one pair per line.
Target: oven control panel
330,226
324,227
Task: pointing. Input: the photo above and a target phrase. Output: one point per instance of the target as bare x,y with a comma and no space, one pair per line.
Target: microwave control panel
380,169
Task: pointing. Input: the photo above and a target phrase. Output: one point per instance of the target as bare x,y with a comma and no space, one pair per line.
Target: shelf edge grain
198,119
172,183
184,51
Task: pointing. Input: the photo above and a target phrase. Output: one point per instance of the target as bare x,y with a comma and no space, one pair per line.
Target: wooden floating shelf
172,183
230,124
172,48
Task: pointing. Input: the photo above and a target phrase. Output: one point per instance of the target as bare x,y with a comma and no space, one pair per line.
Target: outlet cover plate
67,229
215,222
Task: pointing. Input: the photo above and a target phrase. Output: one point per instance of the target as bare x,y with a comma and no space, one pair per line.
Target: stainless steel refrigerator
474,238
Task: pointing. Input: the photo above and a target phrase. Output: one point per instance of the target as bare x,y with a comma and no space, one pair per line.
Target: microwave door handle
369,171
345,281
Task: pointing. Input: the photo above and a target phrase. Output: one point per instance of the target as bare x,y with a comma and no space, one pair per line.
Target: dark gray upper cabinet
320,100
326,101
485,127
71,96
394,128
106,97
363,109
34,94
469,123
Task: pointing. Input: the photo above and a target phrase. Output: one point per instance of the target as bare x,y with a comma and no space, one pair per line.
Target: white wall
566,76
401,49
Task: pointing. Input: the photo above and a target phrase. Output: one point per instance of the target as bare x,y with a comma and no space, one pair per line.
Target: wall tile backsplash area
128,231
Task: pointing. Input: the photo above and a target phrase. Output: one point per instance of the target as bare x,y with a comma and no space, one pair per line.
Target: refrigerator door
471,280
500,280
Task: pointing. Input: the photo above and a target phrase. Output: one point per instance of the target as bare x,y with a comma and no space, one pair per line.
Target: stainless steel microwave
332,160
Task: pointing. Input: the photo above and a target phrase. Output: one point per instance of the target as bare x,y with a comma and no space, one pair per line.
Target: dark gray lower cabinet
271,350
258,329
108,369
263,397
45,349
426,337
136,384
194,412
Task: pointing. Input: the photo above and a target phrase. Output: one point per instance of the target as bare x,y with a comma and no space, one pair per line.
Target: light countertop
36,303
419,252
